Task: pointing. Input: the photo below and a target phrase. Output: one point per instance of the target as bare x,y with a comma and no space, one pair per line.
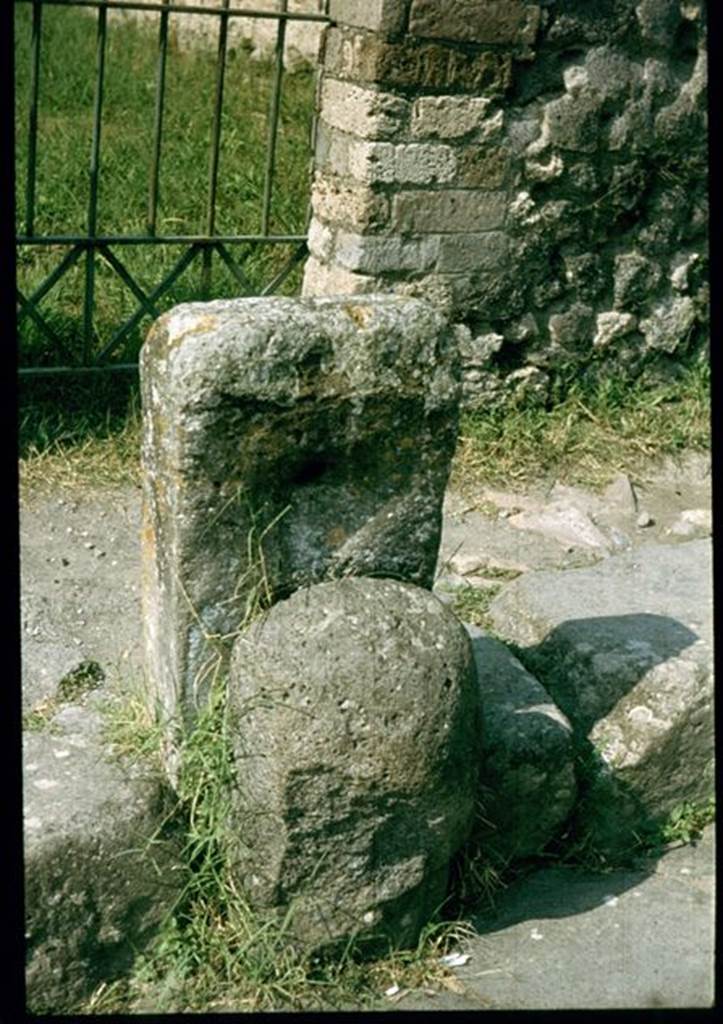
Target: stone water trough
295,458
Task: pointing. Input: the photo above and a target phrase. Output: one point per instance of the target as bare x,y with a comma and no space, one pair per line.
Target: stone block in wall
286,441
386,17
658,20
379,254
670,324
483,166
487,250
415,163
635,278
573,328
350,205
448,117
366,112
320,241
571,122
322,278
414,64
501,22
453,210
611,326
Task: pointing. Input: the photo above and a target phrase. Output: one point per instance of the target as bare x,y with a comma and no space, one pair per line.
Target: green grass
79,433
588,434
86,433
67,80
471,604
214,950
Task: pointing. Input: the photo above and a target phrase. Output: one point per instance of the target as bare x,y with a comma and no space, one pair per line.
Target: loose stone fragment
527,782
615,647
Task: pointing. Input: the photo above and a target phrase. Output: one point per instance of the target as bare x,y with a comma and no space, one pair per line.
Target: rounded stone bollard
356,733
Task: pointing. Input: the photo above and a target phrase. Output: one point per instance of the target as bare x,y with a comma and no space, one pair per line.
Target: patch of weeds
477,878
471,604
495,572
86,676
587,433
40,715
81,680
215,951
683,826
131,729
687,821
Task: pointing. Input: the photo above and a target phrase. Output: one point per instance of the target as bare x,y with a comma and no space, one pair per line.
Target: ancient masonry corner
539,174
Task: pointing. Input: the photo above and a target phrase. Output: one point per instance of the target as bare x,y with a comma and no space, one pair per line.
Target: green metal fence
90,349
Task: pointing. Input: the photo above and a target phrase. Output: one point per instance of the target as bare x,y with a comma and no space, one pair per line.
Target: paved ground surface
559,939
563,939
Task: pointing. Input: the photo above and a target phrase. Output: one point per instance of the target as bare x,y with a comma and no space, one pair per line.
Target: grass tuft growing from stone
215,952
471,604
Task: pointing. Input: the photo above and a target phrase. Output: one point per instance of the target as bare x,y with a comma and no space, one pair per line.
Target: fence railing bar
234,267
206,257
128,280
216,129
297,257
29,307
274,108
157,122
47,371
88,301
214,153
138,5
36,32
97,121
65,264
83,240
157,292
94,174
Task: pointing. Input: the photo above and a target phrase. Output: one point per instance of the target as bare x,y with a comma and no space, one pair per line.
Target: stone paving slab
563,939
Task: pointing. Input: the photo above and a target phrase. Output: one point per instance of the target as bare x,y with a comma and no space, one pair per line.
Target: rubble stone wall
538,170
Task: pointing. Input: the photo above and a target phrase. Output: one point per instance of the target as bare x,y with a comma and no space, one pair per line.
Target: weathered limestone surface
96,890
475,21
527,780
625,650
383,16
355,712
285,442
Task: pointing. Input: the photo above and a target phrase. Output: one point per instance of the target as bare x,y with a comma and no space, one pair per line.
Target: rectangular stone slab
286,441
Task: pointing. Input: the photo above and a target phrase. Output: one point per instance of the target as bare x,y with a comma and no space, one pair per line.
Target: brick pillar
412,176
